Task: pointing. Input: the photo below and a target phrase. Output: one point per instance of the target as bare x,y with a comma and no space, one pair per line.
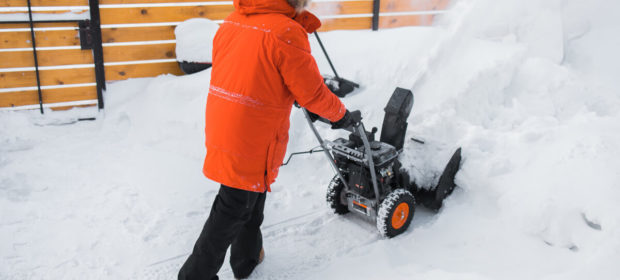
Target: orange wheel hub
400,215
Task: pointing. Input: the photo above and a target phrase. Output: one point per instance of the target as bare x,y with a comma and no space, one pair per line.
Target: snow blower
369,180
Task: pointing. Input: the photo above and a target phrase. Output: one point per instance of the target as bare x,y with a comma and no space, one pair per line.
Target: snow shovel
338,85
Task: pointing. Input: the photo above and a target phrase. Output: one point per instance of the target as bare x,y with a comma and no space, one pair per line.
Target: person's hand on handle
349,119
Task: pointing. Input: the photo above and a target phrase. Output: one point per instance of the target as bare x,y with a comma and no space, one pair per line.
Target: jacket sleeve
301,74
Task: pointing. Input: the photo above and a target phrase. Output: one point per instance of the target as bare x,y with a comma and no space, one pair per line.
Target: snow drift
194,40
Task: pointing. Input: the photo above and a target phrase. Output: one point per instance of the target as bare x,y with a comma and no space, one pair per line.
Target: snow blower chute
369,179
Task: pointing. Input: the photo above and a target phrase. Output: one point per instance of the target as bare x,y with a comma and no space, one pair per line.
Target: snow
533,102
195,39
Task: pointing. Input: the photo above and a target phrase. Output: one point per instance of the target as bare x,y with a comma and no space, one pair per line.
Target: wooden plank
48,77
44,15
412,5
59,38
340,8
162,14
86,75
22,98
139,52
52,38
48,3
16,59
38,25
410,20
106,2
77,56
346,24
215,12
51,10
55,3
136,34
330,7
56,38
45,57
122,72
18,79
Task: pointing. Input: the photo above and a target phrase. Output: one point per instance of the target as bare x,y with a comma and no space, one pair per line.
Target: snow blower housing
369,179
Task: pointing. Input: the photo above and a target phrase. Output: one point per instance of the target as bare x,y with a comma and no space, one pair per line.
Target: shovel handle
326,56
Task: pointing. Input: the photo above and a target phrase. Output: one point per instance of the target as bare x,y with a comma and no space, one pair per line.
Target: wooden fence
138,41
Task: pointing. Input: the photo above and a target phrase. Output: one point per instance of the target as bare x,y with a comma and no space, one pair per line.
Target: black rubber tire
333,197
387,209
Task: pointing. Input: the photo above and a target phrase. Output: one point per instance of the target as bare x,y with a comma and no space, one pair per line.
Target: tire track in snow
167,268
298,245
298,248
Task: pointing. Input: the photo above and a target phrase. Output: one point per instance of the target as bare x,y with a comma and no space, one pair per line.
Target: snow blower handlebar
359,126
371,164
323,145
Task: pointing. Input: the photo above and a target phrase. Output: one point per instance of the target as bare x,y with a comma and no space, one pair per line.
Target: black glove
313,116
349,119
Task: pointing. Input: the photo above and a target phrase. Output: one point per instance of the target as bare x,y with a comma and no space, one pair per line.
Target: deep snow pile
527,88
194,37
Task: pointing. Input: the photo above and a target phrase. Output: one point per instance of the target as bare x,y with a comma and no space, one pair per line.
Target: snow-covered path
537,115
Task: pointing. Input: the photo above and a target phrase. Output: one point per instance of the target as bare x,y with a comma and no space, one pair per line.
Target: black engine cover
360,180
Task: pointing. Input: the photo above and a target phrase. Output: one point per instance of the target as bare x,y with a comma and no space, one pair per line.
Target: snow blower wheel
395,213
336,197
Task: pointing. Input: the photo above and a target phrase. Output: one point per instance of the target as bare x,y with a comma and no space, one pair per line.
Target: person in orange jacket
261,65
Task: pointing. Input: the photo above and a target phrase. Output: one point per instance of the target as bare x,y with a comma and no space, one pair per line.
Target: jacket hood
248,7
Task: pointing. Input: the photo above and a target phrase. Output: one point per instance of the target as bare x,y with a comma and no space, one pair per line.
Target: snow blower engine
369,179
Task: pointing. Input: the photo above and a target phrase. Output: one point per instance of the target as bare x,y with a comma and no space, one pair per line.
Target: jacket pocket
276,152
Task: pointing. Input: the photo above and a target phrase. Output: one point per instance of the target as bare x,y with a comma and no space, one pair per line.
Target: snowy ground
529,89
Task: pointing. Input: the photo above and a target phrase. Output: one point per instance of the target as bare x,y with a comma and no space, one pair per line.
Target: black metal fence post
34,53
376,6
95,23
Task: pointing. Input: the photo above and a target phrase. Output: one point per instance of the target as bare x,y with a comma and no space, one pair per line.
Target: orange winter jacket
261,65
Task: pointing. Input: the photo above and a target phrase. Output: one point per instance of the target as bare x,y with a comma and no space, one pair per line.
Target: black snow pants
235,219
